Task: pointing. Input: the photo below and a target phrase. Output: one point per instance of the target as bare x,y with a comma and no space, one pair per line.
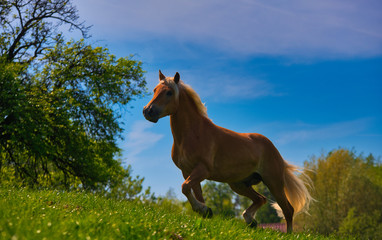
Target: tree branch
20,15
60,10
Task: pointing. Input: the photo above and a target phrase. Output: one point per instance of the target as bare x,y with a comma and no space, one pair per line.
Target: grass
47,214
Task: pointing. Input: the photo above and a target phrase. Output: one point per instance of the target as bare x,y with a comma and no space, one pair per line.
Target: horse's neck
186,120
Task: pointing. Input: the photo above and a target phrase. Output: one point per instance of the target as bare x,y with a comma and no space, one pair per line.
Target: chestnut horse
203,150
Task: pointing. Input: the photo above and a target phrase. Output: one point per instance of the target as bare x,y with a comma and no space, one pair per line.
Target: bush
362,226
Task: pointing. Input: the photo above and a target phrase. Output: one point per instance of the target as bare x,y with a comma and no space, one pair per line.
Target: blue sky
306,74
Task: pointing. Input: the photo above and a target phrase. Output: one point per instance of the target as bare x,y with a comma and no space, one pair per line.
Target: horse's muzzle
151,113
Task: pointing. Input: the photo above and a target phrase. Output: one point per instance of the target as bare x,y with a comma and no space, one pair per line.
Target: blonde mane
200,107
195,97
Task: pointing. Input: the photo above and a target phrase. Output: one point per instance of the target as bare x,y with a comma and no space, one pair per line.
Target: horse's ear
176,78
161,76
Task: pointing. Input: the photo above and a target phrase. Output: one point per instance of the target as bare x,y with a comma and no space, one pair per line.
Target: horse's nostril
148,111
151,111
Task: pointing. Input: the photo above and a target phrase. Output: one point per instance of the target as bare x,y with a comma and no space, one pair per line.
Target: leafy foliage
61,102
347,187
219,197
362,226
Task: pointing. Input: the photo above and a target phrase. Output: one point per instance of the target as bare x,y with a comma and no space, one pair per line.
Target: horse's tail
295,190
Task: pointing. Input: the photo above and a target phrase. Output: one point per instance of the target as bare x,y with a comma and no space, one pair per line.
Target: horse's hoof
253,224
208,213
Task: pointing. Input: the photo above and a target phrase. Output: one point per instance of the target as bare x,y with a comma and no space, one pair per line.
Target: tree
60,109
346,186
219,197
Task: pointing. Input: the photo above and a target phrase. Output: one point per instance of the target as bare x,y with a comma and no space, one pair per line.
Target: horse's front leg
197,189
198,174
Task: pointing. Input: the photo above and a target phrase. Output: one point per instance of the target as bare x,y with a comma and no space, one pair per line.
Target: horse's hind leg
276,187
258,200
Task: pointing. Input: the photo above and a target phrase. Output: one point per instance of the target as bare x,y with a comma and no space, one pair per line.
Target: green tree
61,102
345,186
219,197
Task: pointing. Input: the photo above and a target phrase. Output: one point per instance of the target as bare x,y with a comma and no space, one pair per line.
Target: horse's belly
236,164
232,172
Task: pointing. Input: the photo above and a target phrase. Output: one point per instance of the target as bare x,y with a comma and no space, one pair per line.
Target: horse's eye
169,93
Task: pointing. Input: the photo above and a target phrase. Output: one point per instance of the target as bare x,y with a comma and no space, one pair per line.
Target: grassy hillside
43,214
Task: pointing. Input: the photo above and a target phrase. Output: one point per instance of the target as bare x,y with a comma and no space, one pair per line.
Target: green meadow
52,214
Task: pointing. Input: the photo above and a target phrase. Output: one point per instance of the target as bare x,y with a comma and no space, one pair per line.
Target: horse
203,150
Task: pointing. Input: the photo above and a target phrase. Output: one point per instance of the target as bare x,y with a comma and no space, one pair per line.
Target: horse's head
165,100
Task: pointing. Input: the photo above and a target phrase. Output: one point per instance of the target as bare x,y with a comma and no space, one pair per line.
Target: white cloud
320,28
220,88
338,130
140,139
